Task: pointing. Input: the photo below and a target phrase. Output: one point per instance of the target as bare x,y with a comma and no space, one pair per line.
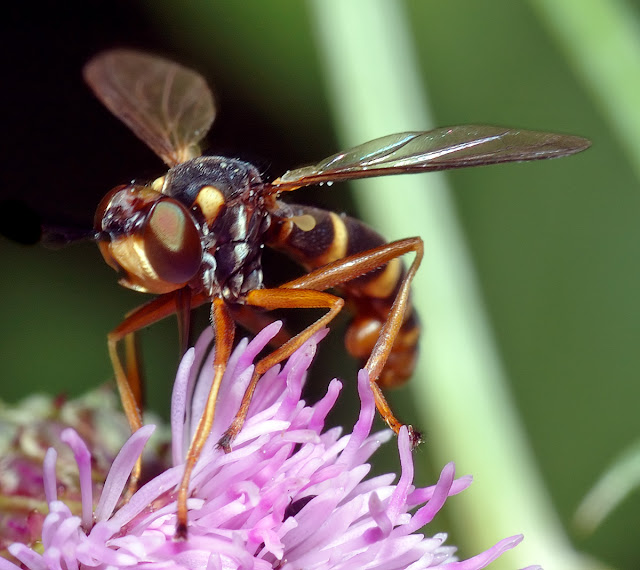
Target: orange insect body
196,234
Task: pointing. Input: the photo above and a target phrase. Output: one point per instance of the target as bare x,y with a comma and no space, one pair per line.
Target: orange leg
224,330
133,370
254,321
129,382
325,277
183,312
279,299
348,268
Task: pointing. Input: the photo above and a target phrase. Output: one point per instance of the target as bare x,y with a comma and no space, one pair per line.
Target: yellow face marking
338,247
383,284
129,256
158,184
210,200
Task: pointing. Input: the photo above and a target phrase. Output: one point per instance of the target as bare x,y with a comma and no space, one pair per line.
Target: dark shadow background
63,151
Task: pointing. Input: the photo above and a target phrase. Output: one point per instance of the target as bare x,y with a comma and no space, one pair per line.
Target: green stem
375,89
601,39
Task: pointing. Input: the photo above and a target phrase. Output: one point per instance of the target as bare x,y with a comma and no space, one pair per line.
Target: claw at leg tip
181,532
415,437
224,443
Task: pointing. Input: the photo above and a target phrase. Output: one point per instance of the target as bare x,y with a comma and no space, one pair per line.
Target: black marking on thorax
233,243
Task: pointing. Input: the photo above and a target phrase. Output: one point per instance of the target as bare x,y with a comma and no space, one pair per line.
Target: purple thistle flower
287,496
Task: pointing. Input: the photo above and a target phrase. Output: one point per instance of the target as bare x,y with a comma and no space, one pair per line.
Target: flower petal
120,471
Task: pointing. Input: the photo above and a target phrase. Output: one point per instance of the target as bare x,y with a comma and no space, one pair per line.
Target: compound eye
172,243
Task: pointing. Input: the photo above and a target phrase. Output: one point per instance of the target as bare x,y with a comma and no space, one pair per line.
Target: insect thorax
226,199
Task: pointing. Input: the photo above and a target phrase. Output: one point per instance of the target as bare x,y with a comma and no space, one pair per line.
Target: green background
555,245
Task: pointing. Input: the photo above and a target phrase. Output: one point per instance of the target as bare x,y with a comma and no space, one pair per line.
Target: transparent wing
168,106
440,149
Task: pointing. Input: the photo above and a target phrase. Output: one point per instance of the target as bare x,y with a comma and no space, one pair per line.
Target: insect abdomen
370,296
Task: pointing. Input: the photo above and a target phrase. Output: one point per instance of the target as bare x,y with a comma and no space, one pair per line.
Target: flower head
289,495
